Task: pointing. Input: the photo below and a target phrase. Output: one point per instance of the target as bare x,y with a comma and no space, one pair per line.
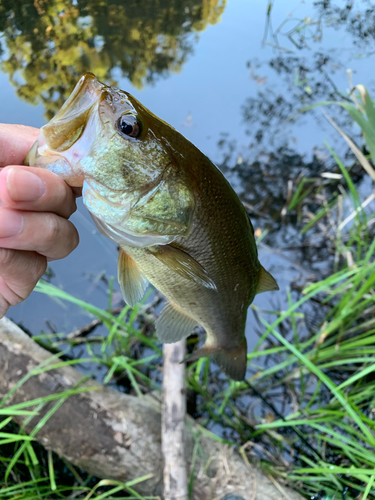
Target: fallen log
117,436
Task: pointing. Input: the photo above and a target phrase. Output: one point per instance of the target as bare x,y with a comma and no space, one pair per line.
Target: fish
177,221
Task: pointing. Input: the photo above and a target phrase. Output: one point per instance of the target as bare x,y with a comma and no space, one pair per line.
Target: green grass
318,430
331,371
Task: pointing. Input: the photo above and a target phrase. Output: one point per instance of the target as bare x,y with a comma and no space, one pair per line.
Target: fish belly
205,305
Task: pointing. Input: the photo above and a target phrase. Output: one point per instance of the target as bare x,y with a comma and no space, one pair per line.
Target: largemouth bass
178,222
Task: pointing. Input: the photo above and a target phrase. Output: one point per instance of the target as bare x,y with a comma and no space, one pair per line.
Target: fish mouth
69,123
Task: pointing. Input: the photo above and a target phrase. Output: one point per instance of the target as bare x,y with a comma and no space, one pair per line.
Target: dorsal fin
267,282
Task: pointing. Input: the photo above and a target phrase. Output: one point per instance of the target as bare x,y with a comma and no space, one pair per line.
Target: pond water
229,75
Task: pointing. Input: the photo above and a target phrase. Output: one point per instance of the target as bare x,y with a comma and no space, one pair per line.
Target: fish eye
128,126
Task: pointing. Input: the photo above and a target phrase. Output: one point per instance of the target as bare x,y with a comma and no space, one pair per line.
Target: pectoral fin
183,264
132,282
232,361
267,282
173,325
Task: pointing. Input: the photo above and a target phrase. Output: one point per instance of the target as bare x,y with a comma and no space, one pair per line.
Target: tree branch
173,422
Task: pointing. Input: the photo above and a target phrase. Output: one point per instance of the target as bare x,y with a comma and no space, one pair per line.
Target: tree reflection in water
304,67
302,70
47,45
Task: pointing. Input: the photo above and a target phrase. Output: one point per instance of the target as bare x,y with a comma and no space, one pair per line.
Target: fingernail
23,185
11,223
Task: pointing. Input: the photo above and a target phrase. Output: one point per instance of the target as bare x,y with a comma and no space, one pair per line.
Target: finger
15,142
44,232
19,273
37,190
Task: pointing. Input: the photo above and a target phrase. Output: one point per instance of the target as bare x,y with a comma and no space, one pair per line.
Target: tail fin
232,361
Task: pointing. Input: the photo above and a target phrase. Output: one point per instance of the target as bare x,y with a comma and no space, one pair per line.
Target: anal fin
132,282
173,325
232,361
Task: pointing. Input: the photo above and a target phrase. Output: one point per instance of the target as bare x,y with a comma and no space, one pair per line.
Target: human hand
34,207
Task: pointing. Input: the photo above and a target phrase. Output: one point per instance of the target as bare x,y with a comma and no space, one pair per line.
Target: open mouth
68,124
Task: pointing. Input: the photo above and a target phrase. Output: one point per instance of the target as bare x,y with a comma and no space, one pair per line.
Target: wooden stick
173,422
